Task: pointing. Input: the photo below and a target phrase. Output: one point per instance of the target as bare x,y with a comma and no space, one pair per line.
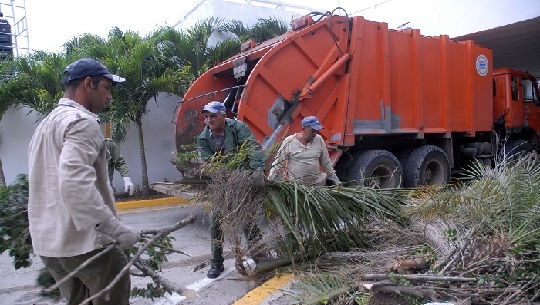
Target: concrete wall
16,129
158,132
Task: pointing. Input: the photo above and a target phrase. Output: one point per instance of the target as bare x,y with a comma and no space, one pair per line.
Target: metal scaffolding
14,11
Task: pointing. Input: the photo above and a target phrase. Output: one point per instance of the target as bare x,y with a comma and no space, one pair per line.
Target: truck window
529,94
514,87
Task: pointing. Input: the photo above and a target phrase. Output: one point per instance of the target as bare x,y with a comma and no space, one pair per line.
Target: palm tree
264,29
192,50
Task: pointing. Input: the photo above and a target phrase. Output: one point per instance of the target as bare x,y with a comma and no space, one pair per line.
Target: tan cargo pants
93,278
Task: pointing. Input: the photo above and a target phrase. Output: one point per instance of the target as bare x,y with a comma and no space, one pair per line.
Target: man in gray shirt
302,155
71,208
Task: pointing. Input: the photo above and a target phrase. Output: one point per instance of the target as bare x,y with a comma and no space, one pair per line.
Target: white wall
16,129
158,132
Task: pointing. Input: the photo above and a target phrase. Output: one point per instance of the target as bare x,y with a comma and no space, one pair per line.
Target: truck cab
516,103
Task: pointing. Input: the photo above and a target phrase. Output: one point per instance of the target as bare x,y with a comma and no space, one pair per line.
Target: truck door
517,113
529,93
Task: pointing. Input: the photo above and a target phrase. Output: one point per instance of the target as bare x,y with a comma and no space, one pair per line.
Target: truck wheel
343,165
514,149
427,165
376,168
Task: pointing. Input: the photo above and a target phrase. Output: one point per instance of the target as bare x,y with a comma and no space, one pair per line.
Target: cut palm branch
321,218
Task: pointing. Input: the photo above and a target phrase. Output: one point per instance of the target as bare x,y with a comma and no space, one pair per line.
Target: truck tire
343,165
376,168
426,165
515,149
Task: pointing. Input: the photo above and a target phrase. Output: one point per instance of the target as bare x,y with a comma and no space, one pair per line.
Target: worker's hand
128,185
125,237
258,178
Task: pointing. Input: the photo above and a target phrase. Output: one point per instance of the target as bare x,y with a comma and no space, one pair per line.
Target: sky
53,22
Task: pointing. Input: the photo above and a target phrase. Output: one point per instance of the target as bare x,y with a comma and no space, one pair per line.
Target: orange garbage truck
398,108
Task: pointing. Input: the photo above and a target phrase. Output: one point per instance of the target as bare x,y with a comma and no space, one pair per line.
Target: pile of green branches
490,230
482,230
296,220
322,218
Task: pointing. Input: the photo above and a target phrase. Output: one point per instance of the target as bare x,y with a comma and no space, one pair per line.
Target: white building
433,17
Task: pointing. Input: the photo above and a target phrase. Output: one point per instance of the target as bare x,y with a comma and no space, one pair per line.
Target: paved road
18,287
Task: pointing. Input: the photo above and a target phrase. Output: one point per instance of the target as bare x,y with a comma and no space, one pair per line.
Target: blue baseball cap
312,122
88,67
214,107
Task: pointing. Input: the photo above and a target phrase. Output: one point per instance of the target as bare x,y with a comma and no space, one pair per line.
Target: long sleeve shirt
302,163
115,160
237,134
69,193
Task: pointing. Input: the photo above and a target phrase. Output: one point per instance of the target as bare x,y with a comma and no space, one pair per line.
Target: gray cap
87,67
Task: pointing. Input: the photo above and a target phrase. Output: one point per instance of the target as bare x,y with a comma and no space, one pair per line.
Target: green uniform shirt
115,160
236,134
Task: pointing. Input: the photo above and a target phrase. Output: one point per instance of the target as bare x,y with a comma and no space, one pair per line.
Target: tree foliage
14,222
33,81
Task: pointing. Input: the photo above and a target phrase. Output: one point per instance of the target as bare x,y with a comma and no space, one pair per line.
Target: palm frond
326,218
501,199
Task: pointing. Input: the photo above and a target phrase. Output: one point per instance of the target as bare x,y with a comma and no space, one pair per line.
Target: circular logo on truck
482,65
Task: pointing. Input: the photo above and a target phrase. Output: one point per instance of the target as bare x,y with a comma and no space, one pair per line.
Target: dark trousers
93,278
251,232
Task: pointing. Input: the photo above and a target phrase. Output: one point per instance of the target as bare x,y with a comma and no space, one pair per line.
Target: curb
257,295
136,204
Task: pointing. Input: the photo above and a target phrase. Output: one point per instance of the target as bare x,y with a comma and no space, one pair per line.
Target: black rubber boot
215,271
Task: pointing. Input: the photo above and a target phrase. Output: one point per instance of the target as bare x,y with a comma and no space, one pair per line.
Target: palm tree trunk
145,191
2,177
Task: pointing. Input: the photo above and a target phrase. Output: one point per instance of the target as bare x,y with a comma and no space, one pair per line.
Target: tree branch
160,234
168,285
417,277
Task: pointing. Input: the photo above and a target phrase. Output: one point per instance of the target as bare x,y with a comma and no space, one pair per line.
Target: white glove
124,236
128,185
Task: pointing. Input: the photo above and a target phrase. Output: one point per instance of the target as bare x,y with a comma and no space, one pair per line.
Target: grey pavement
18,287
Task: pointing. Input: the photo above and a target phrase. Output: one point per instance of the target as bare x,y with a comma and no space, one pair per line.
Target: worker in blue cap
71,207
302,155
222,137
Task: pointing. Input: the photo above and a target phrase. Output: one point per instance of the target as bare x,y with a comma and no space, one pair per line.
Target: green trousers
92,278
251,232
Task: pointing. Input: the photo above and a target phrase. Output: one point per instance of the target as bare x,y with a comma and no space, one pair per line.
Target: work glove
128,185
125,237
258,178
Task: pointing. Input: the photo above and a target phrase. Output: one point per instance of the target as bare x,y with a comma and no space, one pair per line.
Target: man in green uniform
223,136
116,161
